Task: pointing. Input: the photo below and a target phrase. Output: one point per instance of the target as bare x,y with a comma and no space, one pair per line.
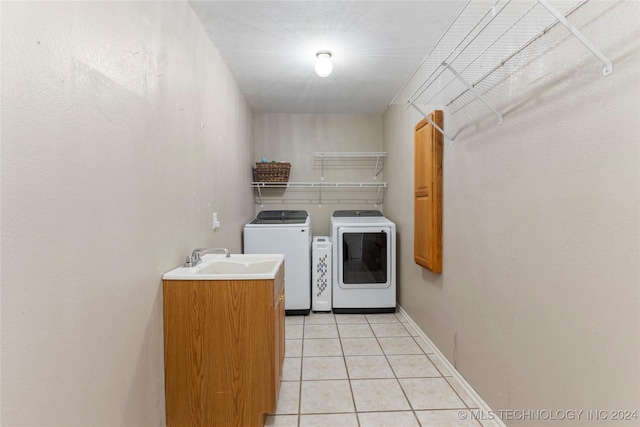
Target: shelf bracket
259,194
473,91
432,123
376,172
608,65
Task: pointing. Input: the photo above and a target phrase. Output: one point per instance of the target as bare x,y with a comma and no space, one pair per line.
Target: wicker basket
273,172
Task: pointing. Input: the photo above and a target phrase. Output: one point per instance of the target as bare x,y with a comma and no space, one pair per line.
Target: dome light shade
323,63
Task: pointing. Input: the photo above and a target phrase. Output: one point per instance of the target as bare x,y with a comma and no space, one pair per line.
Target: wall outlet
216,223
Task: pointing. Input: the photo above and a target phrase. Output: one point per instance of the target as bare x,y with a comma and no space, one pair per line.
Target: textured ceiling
270,47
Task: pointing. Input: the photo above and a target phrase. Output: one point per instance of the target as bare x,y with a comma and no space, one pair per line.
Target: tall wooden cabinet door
428,153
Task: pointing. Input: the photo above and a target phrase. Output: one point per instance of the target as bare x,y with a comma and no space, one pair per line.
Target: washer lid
366,213
281,217
283,214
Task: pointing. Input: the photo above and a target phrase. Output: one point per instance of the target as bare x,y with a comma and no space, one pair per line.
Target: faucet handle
189,262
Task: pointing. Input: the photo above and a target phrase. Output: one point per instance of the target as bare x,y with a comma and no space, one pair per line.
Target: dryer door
364,257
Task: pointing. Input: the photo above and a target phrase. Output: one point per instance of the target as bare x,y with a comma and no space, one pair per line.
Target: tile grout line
473,395
404,393
428,349
346,368
298,415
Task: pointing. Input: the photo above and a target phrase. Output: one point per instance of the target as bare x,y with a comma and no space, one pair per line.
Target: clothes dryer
364,262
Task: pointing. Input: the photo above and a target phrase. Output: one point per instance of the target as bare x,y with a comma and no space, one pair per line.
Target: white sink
236,267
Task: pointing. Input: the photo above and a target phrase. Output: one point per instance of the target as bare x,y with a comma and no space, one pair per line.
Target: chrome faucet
194,259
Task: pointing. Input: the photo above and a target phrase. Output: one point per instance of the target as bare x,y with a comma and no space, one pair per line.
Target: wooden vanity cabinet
224,350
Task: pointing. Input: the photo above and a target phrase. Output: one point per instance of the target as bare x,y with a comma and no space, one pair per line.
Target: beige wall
122,132
296,137
538,304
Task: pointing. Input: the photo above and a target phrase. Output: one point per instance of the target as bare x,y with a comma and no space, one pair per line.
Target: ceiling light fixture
323,63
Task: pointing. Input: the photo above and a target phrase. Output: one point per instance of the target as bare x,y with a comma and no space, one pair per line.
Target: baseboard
484,413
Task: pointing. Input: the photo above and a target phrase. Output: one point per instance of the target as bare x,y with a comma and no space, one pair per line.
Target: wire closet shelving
324,192
483,45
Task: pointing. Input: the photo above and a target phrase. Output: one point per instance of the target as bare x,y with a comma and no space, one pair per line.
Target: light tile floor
361,370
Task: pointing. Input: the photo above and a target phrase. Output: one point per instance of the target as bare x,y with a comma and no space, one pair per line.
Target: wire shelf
373,160
483,45
319,192
350,155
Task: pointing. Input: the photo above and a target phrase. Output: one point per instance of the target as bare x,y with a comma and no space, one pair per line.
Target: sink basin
225,266
236,267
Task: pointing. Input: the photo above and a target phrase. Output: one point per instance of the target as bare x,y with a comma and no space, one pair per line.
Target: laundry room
132,137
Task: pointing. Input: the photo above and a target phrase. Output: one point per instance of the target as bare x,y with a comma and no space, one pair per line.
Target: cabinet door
218,352
277,345
278,327
428,193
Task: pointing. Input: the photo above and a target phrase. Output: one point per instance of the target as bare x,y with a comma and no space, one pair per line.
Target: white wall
122,131
296,137
538,304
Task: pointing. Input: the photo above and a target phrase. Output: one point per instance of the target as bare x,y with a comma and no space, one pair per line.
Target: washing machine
364,262
285,232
